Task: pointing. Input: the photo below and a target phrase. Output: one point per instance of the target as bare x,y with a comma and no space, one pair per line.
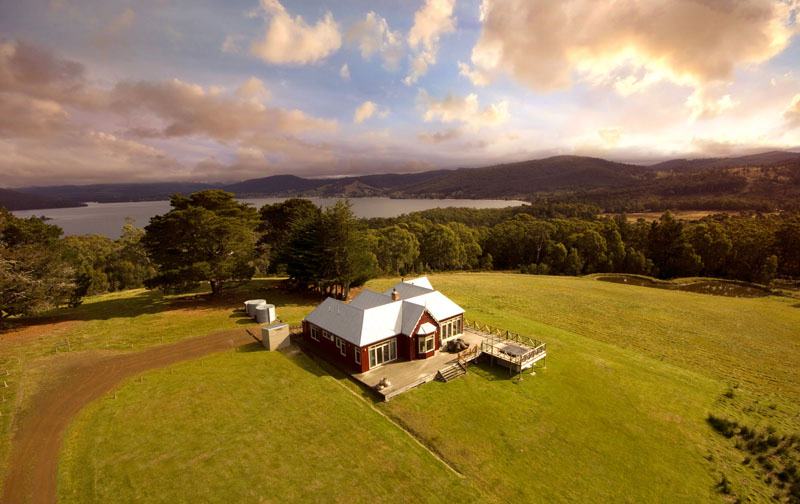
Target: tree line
210,237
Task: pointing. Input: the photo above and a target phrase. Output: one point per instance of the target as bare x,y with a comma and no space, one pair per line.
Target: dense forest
211,237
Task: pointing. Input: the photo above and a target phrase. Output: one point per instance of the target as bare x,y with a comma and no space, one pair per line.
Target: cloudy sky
148,90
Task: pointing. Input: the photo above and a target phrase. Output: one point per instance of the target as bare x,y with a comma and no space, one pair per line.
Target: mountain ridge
754,179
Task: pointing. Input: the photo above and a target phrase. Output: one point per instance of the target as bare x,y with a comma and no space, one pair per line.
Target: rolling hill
767,181
18,200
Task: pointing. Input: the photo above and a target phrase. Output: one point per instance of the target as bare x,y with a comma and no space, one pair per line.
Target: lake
107,218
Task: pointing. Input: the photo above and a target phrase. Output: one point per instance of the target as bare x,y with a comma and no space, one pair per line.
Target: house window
327,335
341,345
358,354
426,344
315,333
382,353
452,328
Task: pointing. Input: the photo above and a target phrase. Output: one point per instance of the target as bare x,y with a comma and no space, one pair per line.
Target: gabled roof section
411,315
370,299
438,305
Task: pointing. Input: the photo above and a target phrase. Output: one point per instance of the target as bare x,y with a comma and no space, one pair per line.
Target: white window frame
342,346
391,351
357,354
315,333
422,343
452,328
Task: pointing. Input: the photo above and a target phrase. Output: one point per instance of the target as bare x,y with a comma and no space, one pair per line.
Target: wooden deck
508,349
405,375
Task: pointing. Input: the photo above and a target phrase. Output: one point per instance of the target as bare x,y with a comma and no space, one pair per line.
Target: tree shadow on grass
122,304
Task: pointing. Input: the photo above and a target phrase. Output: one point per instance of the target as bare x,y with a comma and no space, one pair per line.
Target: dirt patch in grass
33,332
40,427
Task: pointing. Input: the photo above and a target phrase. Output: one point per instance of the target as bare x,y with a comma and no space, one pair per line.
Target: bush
725,427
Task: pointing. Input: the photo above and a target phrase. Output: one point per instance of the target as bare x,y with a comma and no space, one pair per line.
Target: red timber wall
331,351
414,347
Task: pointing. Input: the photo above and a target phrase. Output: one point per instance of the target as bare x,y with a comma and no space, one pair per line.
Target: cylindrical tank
262,313
271,316
250,306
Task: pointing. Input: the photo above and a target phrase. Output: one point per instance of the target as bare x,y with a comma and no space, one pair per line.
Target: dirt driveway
40,428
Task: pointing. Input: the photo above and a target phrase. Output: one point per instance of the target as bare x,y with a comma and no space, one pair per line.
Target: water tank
271,315
262,313
250,306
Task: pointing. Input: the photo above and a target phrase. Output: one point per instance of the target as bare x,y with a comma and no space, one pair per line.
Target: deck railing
494,338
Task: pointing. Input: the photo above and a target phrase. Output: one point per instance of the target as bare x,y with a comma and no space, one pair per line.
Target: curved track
36,444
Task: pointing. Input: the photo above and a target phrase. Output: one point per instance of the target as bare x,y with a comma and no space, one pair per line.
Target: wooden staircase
452,371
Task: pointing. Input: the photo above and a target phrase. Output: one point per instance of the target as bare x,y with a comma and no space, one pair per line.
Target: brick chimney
395,295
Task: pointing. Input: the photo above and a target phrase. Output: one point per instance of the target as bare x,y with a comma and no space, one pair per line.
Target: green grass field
618,415
117,322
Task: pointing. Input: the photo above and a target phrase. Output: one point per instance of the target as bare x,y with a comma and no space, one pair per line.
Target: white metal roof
370,299
411,314
407,290
373,316
438,305
426,328
420,282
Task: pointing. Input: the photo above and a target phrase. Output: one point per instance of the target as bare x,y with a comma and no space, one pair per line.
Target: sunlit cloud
547,44
462,109
431,21
372,35
290,40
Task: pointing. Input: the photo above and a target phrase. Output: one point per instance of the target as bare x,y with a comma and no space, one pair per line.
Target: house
410,321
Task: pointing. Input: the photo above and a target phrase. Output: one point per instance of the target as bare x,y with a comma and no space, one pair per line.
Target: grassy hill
619,413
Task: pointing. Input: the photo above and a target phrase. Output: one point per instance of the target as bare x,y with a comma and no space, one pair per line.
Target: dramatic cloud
372,35
543,44
50,113
290,40
38,73
431,21
189,109
792,114
463,109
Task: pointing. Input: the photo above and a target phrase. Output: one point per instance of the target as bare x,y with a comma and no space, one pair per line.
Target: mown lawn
118,322
246,427
618,415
